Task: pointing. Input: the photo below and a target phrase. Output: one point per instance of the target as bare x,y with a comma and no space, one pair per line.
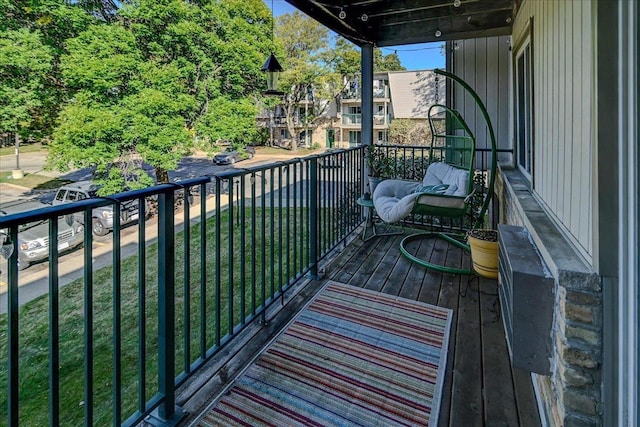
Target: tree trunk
162,176
292,130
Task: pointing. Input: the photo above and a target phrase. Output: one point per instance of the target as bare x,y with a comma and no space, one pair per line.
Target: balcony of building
355,119
354,94
191,292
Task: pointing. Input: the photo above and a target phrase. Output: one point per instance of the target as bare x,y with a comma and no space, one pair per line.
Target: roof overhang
400,22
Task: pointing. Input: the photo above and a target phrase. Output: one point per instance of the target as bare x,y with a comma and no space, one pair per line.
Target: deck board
480,386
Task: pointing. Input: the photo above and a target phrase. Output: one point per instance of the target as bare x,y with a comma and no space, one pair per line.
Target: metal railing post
168,413
13,378
313,217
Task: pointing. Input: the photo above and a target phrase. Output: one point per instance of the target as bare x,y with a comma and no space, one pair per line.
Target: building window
355,138
524,107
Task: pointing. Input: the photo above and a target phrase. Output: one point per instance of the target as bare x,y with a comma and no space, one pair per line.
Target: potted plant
380,165
484,252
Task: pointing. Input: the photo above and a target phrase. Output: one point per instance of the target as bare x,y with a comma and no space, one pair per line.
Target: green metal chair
459,147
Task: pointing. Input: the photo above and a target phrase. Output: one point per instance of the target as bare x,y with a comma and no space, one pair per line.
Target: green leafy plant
381,163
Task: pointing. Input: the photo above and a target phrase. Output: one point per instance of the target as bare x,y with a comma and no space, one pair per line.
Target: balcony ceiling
400,22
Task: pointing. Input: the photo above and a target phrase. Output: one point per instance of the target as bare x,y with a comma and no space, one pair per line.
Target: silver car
102,217
33,238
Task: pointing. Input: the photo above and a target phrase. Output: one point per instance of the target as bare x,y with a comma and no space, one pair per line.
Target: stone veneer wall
571,396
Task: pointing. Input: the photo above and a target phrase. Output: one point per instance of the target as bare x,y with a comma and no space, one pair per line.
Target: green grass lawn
24,148
35,181
246,257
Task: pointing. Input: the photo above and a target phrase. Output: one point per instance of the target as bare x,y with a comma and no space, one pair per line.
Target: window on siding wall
524,107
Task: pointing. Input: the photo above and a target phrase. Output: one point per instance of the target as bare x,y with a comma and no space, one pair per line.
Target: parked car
102,217
231,156
332,161
33,238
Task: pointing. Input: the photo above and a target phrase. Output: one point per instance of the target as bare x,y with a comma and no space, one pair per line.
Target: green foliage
311,66
32,38
148,84
409,132
346,58
238,125
24,63
381,162
390,62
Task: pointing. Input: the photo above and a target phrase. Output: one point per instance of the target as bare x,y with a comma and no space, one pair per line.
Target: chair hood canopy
400,22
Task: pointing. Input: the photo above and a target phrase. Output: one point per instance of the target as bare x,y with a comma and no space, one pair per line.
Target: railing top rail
52,211
192,181
428,146
96,202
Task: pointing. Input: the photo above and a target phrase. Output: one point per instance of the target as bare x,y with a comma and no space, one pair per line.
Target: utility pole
17,138
17,172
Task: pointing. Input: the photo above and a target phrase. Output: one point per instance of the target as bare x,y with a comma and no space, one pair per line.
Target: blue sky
423,56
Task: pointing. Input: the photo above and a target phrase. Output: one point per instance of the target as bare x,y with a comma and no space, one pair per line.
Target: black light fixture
272,68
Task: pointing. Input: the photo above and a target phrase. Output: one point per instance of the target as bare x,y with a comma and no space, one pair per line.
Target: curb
15,186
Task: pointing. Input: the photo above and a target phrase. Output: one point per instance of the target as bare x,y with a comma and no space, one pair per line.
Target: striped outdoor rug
351,357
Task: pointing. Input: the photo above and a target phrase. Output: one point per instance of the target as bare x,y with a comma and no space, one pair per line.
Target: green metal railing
178,286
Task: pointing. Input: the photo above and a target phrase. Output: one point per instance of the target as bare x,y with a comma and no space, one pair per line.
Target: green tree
310,80
124,107
145,84
239,124
25,62
32,38
390,62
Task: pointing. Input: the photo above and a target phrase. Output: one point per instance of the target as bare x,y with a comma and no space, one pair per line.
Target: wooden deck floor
481,388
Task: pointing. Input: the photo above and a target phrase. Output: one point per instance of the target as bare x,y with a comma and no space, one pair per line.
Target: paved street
33,281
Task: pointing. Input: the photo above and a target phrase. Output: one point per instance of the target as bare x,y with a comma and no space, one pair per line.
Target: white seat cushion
394,199
442,173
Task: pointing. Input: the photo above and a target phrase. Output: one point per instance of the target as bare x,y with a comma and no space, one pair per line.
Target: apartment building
397,95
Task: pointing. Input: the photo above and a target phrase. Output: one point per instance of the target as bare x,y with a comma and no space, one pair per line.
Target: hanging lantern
272,70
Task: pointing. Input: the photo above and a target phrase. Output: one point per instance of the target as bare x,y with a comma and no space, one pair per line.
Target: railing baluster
253,244
218,249
263,247
203,270
117,319
142,306
280,232
88,319
305,261
243,251
296,215
313,217
272,226
288,207
230,260
186,254
13,332
54,353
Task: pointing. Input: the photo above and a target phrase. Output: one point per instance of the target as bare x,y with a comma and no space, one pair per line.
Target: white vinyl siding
563,132
485,65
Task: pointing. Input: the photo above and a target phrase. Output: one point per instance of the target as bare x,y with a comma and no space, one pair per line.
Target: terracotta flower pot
484,252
